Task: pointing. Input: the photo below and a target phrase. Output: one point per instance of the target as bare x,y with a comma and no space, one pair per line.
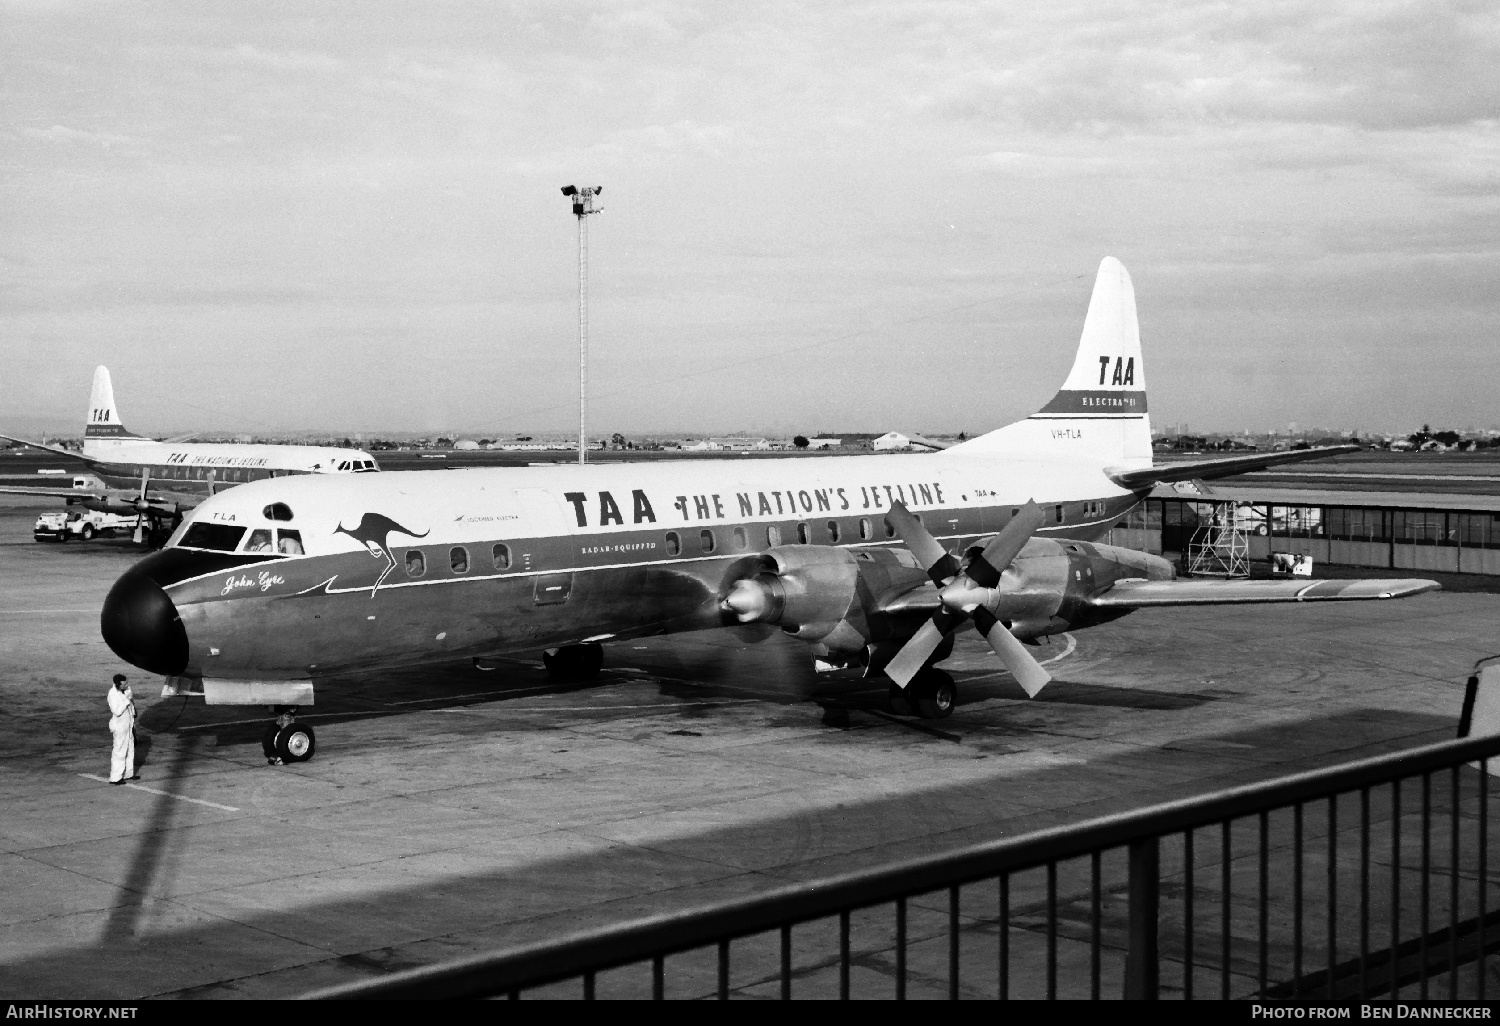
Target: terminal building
1399,530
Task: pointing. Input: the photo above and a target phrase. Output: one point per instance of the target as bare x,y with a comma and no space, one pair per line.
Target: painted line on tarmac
17,612
1072,644
165,794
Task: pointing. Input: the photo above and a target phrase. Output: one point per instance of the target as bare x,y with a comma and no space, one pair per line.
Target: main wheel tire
87,534
898,700
934,695
296,743
268,741
574,662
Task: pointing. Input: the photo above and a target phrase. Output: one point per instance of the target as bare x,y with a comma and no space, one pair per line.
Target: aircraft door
547,545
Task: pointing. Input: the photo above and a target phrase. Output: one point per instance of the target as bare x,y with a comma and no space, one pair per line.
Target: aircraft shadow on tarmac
700,673
514,902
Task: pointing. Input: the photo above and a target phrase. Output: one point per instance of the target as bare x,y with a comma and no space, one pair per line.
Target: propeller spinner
967,592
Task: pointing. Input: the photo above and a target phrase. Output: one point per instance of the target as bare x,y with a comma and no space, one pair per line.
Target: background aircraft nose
141,625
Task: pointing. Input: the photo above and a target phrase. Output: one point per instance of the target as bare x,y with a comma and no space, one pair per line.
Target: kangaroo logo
373,533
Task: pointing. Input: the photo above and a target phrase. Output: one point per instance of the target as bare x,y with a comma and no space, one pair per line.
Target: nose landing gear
286,741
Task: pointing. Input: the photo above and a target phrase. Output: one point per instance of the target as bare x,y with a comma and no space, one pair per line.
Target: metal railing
1227,873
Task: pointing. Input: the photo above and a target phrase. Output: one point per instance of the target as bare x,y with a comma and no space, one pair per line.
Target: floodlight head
569,190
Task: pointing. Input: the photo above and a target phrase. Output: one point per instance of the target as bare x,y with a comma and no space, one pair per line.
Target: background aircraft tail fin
1100,411
103,419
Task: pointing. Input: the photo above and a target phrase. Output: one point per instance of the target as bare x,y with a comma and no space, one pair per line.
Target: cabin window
866,532
277,511
458,559
890,528
738,540
1059,512
674,543
260,540
773,536
803,536
416,563
833,530
707,540
500,556
289,543
219,537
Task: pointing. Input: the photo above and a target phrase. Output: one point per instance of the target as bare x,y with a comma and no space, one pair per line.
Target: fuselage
301,577
184,474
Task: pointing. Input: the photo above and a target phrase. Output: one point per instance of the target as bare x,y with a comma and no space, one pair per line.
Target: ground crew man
122,726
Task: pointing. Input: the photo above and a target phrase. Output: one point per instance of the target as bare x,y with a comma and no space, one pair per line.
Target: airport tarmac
455,810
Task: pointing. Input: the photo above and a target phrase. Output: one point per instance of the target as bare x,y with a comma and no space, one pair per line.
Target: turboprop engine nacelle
821,594
1048,587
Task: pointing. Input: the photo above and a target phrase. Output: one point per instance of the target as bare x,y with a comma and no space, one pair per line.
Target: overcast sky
816,217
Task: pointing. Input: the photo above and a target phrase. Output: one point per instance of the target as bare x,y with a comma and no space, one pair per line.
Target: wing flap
1141,594
1209,469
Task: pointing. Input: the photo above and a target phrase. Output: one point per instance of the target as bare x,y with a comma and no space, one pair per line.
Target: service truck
76,523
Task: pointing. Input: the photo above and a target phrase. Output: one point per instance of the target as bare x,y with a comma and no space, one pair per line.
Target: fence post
1145,899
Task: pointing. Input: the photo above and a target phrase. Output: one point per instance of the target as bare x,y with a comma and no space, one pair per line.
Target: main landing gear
574,662
932,695
286,741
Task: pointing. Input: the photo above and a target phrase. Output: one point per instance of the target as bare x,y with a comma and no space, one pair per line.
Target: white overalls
122,726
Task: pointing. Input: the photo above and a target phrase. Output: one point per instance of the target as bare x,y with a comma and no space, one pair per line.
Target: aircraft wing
1209,469
61,493
1139,594
50,448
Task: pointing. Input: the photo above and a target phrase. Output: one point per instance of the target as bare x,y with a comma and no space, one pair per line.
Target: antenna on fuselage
583,206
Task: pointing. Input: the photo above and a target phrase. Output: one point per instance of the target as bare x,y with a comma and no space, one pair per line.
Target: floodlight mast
583,206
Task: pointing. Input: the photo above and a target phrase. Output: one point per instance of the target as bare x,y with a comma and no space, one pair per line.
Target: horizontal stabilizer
1138,594
1209,469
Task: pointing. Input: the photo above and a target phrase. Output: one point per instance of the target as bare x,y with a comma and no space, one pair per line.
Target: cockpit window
219,537
260,540
289,543
277,511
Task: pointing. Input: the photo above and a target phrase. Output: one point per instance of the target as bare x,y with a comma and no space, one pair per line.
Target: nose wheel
286,741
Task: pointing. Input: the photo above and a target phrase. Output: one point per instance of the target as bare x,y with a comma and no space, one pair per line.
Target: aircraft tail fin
1100,411
103,421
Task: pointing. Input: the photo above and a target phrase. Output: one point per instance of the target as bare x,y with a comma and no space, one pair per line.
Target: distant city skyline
270,219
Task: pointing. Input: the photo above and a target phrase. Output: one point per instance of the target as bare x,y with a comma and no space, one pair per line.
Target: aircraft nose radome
141,625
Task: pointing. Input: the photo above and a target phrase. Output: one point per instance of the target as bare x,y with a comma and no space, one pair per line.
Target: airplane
872,560
159,481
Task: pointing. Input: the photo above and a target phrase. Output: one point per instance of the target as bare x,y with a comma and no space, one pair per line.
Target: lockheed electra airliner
158,481
871,560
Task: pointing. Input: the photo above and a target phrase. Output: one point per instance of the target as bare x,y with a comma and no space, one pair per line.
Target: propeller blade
1022,664
940,565
140,533
984,569
915,653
